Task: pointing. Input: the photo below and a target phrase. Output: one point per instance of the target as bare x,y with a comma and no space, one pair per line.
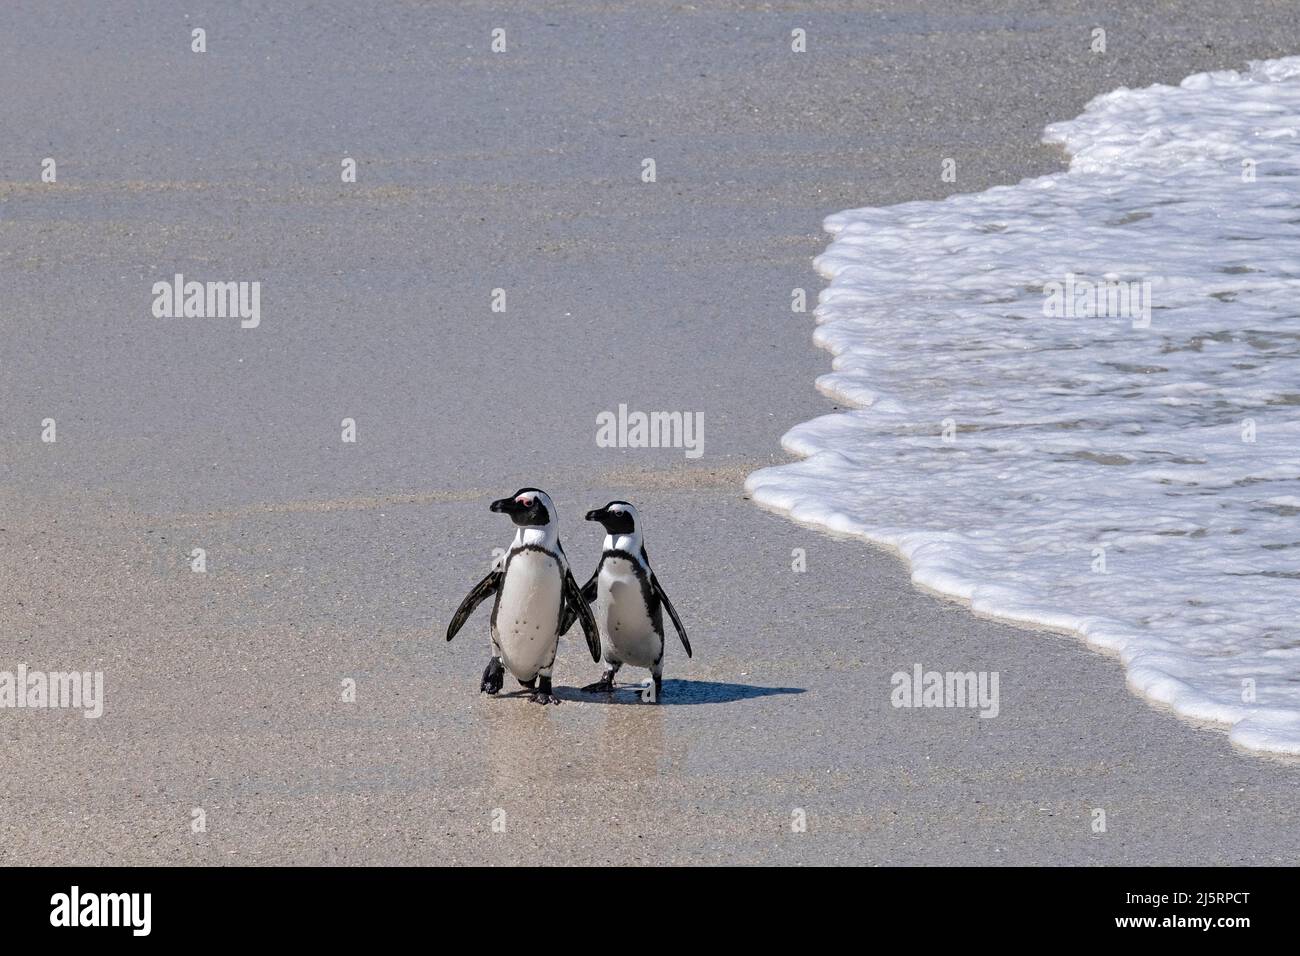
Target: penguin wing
588,595
482,591
659,592
574,601
672,612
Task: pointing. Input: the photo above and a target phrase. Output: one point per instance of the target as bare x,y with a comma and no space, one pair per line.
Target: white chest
529,612
622,616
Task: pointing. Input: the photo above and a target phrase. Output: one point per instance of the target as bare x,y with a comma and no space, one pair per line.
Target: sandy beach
333,565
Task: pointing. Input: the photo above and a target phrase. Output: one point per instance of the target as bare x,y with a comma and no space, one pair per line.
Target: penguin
628,600
535,593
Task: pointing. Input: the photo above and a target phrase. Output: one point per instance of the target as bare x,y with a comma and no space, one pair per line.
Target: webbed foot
493,676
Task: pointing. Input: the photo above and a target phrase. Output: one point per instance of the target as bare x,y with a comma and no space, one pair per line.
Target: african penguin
628,600
535,594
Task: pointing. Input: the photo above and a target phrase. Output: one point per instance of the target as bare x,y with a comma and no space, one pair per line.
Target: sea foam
1081,468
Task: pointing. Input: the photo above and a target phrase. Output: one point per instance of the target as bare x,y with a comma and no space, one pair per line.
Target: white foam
1079,433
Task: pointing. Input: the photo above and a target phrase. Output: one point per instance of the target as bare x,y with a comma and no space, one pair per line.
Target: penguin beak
506,506
596,515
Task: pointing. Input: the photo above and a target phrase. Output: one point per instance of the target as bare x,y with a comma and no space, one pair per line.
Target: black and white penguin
535,593
628,600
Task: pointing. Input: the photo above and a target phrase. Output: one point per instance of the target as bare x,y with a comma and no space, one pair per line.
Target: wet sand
331,562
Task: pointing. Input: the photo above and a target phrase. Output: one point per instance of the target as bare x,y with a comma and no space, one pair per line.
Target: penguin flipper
575,602
659,591
672,611
481,592
571,613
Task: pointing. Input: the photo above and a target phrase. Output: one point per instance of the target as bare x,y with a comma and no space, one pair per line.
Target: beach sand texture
330,562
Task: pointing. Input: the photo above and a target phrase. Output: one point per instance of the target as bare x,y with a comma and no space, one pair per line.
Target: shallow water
1122,464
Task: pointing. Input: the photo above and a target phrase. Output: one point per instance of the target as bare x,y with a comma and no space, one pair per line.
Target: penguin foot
543,693
494,676
603,686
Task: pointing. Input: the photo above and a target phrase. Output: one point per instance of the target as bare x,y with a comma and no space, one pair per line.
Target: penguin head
617,517
527,507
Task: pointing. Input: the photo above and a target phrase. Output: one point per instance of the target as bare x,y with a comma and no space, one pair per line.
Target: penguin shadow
677,693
